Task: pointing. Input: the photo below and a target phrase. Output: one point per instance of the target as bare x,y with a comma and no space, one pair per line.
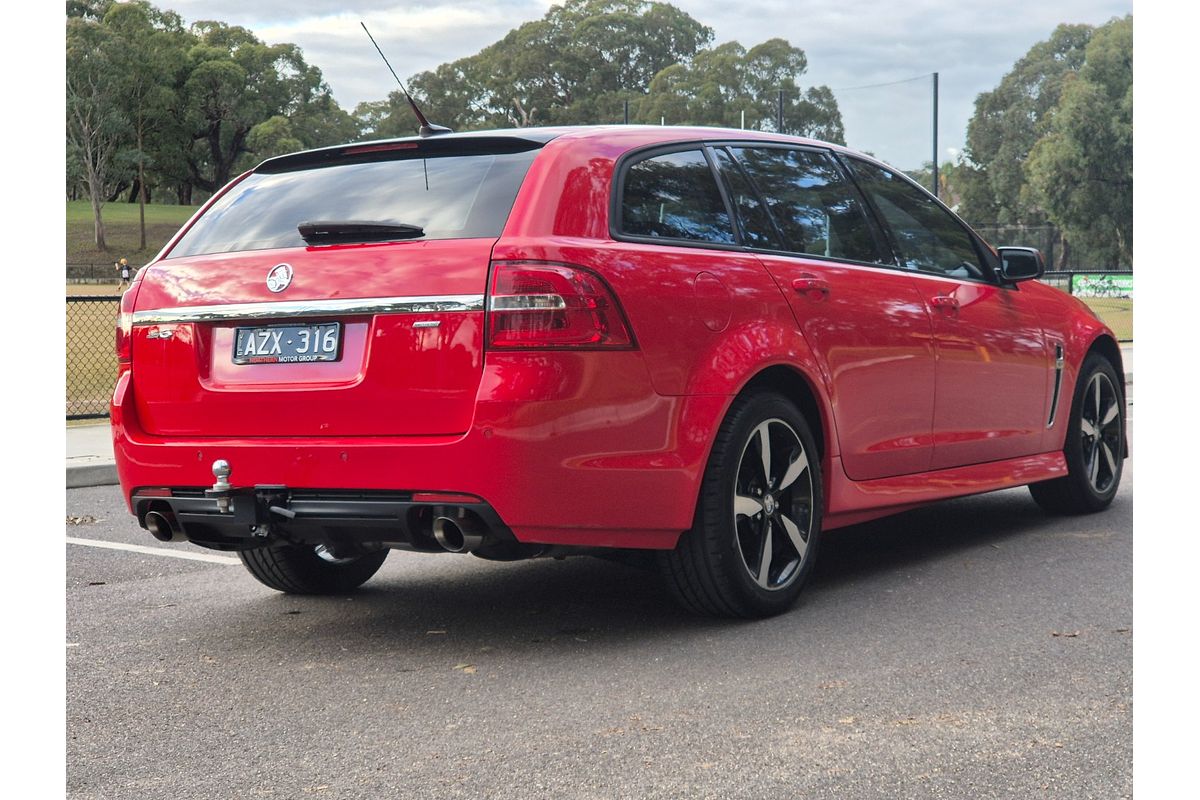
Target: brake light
550,306
125,330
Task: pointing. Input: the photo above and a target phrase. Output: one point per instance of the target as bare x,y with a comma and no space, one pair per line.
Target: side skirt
851,502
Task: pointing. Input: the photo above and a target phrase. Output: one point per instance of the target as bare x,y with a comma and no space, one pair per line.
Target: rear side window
929,237
675,196
757,228
815,207
451,197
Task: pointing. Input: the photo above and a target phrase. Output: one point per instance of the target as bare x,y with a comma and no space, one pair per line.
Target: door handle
815,287
945,302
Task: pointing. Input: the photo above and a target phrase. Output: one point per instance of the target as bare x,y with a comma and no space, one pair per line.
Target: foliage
149,58
1052,144
581,62
575,65
95,126
718,85
235,83
1010,119
188,107
1081,171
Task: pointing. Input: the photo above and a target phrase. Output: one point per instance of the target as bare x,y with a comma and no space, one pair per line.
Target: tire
717,568
305,569
1094,448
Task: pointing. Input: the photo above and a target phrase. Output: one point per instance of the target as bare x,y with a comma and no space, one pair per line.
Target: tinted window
757,228
675,196
929,237
451,197
813,204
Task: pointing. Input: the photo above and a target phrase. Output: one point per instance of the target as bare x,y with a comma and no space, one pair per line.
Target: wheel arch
1107,346
799,388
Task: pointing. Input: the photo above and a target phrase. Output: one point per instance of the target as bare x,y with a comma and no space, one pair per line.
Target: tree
95,126
149,55
585,59
578,64
1007,123
1081,171
93,10
719,84
236,82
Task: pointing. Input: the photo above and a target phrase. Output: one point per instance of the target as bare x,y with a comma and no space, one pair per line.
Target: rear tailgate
410,352
400,322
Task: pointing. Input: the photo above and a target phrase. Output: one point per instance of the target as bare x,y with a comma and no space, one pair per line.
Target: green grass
121,231
1117,314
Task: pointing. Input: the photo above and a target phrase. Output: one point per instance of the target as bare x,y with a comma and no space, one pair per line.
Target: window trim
882,244
617,195
991,277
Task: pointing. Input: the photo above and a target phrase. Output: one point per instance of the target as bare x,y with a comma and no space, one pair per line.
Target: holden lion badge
280,277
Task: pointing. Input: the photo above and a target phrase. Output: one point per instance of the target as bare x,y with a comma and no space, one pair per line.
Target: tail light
551,306
125,330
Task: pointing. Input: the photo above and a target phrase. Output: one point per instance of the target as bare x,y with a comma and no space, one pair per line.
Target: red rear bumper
567,448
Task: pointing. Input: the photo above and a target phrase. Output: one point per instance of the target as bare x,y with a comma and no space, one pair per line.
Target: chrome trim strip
1058,376
432,304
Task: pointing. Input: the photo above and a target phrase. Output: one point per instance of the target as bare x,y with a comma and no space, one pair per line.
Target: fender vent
1058,375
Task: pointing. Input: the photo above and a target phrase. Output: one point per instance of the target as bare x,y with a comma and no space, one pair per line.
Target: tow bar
252,508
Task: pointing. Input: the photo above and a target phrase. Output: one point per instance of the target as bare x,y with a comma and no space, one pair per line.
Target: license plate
288,344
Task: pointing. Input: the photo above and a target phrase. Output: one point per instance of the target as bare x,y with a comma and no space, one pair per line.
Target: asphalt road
973,649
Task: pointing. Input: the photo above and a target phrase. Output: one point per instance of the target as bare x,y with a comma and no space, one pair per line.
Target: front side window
675,196
928,237
813,204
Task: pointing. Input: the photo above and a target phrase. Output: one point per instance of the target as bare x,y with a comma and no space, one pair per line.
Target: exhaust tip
160,527
461,535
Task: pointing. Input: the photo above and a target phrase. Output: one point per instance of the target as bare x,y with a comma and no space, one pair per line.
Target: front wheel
1094,448
758,519
305,569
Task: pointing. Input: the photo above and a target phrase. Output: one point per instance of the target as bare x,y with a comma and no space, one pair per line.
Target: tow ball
221,490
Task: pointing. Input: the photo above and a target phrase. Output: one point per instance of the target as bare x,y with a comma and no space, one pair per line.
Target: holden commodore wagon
715,345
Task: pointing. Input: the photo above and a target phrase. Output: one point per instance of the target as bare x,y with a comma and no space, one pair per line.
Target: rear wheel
305,569
758,519
1094,448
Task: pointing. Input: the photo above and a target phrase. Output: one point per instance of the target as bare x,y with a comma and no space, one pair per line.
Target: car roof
516,139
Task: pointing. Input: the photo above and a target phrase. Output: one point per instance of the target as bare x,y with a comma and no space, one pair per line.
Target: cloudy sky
849,43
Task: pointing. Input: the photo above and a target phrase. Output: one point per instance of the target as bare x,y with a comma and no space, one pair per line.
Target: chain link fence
91,354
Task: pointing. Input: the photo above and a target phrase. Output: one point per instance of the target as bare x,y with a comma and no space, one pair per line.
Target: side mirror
1021,263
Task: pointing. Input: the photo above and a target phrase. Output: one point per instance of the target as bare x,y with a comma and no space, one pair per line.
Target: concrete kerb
90,456
98,473
90,460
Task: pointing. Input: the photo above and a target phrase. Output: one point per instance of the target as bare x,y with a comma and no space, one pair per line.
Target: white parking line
154,551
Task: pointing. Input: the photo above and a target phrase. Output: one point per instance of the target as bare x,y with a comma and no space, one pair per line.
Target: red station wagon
712,344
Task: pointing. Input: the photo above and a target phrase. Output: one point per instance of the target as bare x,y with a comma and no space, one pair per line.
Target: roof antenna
427,128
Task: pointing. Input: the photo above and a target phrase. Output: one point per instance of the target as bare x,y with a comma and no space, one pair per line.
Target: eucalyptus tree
235,82
727,84
96,128
148,60
1081,170
1007,123
577,64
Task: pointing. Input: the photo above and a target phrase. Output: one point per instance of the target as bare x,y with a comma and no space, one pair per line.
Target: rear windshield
451,197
